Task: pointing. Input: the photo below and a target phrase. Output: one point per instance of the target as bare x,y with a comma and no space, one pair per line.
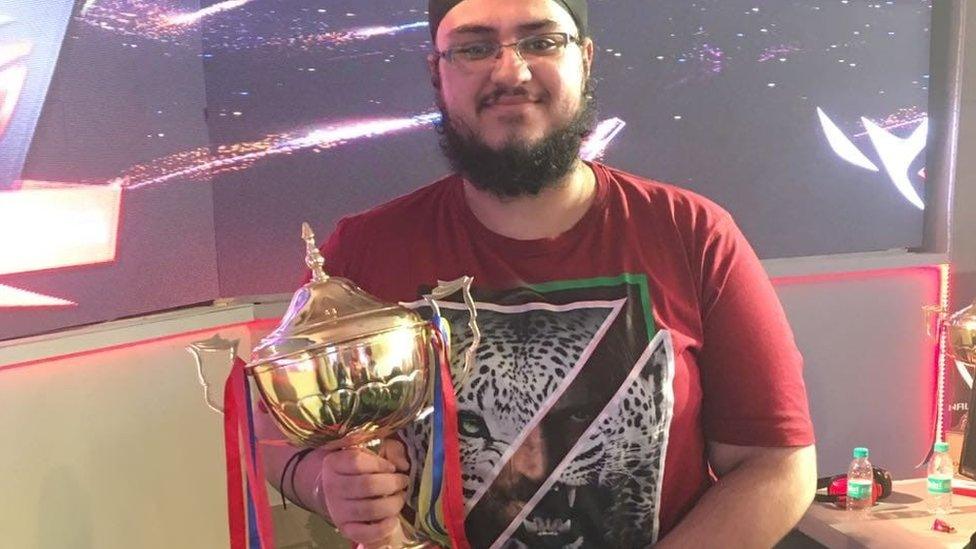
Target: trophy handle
212,354
445,289
930,311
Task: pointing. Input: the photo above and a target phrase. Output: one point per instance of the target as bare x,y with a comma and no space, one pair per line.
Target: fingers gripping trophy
345,369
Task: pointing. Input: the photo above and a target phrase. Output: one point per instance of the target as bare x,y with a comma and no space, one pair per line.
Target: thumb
394,451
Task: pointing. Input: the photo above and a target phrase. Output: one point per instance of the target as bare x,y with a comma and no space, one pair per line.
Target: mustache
493,97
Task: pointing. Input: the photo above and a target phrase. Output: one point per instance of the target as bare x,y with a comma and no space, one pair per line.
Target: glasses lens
475,52
479,54
543,45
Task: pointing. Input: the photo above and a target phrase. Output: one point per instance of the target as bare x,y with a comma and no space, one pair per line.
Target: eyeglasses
476,55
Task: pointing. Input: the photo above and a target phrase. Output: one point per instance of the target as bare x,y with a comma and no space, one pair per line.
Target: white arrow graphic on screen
897,154
17,297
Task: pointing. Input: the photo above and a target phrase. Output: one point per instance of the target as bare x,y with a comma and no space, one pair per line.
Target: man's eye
475,51
540,45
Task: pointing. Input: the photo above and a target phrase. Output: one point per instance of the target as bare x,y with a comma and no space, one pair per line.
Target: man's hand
364,492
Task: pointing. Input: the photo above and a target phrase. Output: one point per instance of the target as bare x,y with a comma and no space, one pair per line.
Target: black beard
517,169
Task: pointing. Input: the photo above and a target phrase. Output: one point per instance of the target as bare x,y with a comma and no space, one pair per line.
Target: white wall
116,448
868,365
113,449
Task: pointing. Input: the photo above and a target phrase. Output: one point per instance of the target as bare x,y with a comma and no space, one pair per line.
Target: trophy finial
313,258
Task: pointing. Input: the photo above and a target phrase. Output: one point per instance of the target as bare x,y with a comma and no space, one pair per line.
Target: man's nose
510,68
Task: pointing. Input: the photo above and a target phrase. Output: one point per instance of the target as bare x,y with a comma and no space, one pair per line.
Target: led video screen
82,243
164,153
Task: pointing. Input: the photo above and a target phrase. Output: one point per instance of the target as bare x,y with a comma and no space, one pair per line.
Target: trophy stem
409,537
372,446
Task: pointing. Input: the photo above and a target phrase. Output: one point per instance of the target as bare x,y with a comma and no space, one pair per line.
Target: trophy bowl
344,368
961,330
343,392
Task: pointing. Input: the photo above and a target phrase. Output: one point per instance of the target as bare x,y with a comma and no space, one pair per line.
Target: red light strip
253,324
851,275
944,278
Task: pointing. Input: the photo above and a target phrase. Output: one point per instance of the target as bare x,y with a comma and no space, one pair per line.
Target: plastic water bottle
860,483
940,480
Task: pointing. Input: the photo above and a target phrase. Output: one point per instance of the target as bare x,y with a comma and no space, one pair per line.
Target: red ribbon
236,519
238,426
453,500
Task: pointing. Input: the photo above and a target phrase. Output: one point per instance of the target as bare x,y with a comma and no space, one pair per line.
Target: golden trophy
959,330
345,369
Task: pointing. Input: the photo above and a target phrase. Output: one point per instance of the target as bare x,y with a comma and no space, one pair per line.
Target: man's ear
433,66
588,52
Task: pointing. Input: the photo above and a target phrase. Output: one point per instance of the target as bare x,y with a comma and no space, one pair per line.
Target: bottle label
859,489
940,485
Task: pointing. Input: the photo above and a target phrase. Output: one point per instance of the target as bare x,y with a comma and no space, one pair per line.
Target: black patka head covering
437,9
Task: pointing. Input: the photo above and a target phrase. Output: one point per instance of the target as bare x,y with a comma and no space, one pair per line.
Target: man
632,344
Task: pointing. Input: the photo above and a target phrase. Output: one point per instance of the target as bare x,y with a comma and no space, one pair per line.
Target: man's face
508,101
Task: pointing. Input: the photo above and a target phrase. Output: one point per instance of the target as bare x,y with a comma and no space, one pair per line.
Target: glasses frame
449,53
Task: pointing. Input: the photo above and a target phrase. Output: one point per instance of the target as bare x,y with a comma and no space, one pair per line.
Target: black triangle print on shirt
563,423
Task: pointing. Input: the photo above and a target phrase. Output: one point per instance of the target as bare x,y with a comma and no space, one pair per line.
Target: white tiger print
520,362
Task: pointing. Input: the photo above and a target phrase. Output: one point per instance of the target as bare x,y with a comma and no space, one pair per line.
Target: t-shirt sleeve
751,370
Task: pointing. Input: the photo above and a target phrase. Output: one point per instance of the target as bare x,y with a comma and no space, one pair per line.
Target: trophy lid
328,310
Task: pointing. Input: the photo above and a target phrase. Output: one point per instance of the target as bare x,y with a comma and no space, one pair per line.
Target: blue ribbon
252,521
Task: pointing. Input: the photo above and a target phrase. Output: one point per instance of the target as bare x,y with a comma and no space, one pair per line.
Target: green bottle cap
941,446
860,452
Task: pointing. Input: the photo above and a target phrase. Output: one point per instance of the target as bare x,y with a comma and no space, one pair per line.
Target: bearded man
637,383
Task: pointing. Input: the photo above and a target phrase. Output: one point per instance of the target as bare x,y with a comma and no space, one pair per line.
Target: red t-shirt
609,355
